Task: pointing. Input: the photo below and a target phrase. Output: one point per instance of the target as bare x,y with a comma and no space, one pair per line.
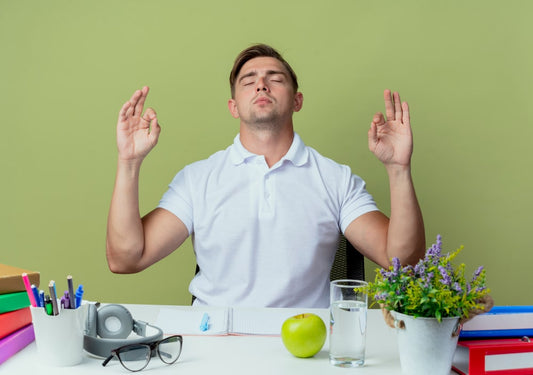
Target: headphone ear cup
92,316
114,322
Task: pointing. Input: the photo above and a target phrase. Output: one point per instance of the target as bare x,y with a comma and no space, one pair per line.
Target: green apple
304,334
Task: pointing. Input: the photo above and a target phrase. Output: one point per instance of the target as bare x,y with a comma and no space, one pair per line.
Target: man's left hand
390,138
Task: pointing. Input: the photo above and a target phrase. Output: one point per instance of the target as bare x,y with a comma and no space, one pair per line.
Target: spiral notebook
228,321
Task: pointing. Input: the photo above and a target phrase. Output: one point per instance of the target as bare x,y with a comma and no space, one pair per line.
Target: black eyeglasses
135,357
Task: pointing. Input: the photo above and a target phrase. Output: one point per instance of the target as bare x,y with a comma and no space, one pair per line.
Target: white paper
500,321
257,321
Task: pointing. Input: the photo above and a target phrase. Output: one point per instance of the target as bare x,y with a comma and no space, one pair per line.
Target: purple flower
396,266
446,279
433,254
427,279
478,272
457,287
420,268
388,275
433,251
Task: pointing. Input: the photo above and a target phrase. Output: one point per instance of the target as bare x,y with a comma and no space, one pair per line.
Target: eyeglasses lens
134,357
169,349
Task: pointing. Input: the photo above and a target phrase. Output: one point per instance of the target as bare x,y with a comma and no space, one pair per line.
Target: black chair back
349,263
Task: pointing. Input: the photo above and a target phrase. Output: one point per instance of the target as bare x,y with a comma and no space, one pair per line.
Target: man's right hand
137,133
134,243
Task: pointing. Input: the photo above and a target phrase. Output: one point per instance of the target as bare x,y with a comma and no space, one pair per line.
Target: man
264,214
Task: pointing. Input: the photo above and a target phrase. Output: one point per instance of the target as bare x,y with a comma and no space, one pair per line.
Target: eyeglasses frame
154,348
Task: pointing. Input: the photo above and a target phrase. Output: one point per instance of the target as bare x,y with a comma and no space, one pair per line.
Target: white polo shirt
265,236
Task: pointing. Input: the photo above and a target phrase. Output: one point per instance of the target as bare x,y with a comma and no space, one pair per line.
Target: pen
79,295
204,324
71,292
26,281
48,308
53,296
35,292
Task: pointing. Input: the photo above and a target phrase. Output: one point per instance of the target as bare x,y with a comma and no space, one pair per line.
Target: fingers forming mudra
137,132
396,111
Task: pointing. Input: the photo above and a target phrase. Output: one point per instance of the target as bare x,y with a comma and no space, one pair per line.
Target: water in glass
347,333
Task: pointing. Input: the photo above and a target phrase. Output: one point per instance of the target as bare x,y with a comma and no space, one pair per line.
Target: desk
234,355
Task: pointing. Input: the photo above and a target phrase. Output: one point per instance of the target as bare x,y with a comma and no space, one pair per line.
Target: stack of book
16,330
497,342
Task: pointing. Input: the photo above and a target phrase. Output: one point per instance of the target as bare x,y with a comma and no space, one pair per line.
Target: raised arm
134,243
390,139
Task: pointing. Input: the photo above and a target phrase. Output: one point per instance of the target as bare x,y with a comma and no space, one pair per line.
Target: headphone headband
100,341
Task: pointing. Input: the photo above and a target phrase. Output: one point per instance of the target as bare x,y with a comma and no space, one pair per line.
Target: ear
298,101
232,106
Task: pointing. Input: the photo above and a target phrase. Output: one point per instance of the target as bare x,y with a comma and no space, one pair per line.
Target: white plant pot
425,345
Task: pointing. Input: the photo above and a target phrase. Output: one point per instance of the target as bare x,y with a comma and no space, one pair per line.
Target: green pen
48,308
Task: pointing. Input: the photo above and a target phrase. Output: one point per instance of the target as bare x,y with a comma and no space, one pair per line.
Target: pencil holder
59,338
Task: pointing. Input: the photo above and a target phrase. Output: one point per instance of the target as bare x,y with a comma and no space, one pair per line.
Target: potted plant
426,303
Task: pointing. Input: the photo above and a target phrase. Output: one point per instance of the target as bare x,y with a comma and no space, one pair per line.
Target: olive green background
66,68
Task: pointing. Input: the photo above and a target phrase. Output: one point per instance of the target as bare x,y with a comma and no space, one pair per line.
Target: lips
262,100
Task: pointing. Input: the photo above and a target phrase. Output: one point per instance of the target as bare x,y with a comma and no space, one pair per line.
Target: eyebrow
254,73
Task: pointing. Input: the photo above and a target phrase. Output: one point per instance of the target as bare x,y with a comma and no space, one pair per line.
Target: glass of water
347,340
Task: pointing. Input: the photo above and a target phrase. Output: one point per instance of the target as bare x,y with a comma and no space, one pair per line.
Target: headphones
108,328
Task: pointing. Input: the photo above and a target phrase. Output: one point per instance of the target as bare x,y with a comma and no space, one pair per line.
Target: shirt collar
297,154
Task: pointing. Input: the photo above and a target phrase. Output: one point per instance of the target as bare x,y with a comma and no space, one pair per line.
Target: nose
261,85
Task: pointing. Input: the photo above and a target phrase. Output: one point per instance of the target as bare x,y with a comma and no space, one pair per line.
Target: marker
41,298
79,296
35,292
48,308
71,292
27,285
204,324
53,296
66,299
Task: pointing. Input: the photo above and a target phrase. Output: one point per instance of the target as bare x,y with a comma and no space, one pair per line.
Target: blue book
500,321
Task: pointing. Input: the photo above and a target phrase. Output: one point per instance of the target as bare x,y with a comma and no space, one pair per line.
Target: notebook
229,321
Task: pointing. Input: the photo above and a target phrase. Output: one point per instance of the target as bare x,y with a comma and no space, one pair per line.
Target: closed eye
277,78
247,81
